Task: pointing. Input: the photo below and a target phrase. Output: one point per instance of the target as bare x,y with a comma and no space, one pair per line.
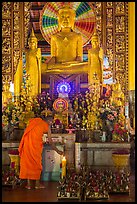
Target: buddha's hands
38,54
52,60
79,59
101,53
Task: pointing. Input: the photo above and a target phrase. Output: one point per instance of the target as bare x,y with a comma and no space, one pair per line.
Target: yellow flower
7,111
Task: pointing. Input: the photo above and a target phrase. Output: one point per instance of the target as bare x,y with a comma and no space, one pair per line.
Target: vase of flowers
120,133
15,159
109,129
109,116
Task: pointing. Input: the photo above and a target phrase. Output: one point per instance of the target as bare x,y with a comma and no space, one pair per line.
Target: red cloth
30,149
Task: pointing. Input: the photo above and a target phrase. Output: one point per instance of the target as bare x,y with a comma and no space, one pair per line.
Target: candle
63,167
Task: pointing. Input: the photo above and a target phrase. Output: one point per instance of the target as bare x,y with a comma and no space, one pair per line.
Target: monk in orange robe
30,151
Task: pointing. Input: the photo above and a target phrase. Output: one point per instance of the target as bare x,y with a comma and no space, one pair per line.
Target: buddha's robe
30,149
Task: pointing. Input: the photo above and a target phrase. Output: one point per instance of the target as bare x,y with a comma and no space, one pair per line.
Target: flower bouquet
119,134
109,115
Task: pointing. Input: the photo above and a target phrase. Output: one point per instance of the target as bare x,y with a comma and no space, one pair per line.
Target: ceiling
36,8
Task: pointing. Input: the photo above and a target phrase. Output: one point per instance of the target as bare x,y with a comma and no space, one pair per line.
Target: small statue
63,93
18,78
117,97
94,116
28,113
84,122
66,46
33,68
95,61
76,104
6,94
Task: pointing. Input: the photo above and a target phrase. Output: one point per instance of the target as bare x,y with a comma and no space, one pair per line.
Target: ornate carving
120,77
120,7
120,62
109,37
6,46
120,43
6,27
16,55
109,4
6,10
109,53
16,35
6,64
121,21
109,17
16,22
117,39
16,6
98,14
6,78
120,24
27,6
10,59
6,39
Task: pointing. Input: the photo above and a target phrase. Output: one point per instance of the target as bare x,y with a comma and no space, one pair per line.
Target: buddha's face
32,44
66,19
118,87
95,42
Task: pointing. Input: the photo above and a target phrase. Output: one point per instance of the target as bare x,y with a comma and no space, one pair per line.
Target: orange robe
30,149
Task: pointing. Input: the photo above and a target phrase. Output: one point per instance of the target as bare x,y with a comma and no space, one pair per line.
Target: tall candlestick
63,167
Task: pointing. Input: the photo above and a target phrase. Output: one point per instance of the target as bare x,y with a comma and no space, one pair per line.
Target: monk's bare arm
52,143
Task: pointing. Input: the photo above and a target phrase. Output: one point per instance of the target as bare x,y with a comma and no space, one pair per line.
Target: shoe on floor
28,187
39,187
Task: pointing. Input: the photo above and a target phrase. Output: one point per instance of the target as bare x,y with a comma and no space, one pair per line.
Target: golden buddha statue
28,113
18,78
93,116
33,68
6,94
95,61
117,97
66,46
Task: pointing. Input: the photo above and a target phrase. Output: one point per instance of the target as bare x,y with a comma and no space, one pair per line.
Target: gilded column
131,45
131,60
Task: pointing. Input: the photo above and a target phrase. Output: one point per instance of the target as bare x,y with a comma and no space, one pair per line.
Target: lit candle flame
63,167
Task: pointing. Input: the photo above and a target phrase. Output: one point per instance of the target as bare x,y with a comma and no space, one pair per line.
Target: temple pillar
131,61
